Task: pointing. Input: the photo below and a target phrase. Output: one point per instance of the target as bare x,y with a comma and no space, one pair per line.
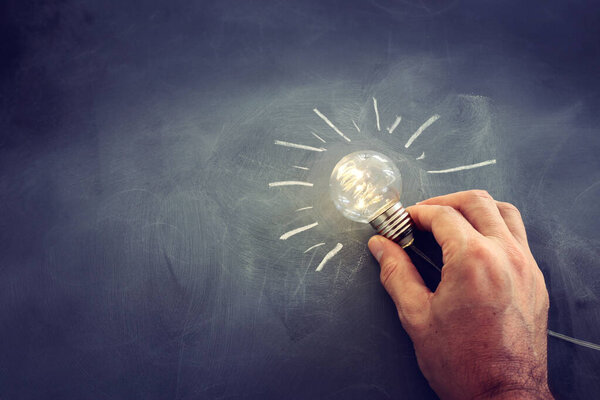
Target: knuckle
510,208
411,317
480,194
445,211
480,252
516,256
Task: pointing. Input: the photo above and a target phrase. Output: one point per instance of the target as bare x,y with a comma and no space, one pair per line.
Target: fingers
449,227
478,207
402,281
513,220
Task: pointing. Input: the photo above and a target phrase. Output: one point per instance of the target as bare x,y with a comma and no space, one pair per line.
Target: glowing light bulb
366,187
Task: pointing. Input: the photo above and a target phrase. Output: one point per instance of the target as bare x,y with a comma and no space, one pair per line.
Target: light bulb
366,187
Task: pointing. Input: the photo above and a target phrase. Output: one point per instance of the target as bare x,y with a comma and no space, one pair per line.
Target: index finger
479,209
447,224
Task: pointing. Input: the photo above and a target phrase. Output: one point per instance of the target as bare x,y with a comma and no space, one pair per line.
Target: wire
579,342
416,250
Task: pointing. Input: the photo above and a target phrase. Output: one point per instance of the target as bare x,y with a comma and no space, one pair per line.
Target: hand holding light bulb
482,333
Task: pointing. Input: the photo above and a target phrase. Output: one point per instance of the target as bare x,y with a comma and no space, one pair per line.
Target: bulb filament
352,181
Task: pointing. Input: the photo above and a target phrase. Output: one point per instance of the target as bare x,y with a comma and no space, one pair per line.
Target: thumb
402,281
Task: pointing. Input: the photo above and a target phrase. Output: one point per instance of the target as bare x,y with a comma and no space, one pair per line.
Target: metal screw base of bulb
395,224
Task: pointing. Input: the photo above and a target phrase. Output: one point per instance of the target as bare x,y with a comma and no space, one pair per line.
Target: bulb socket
395,224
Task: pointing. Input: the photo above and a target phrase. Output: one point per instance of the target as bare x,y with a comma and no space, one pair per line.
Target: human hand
482,333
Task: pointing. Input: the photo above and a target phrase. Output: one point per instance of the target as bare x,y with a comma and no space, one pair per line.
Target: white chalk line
422,156
395,124
356,126
585,191
290,183
376,113
329,256
299,146
319,137
304,208
463,167
331,125
299,167
293,232
314,247
425,125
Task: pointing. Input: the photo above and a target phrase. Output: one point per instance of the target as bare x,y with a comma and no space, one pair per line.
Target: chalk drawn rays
329,256
296,231
299,146
418,133
290,183
376,114
394,125
330,124
421,129
463,167
390,129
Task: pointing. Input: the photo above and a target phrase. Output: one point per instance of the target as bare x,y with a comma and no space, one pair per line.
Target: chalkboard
163,186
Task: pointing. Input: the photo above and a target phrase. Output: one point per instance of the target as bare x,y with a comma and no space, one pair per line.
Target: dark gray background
140,251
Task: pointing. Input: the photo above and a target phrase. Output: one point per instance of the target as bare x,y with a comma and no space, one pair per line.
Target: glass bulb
364,184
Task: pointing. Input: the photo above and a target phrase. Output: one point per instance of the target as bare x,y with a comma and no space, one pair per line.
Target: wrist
517,393
516,379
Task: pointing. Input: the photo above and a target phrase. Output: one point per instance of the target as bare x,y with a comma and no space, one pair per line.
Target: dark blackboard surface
140,251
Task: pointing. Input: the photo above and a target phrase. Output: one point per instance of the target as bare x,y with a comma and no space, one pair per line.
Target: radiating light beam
463,167
376,113
293,232
329,256
299,167
319,137
290,183
356,126
314,247
304,208
331,125
395,124
425,125
299,146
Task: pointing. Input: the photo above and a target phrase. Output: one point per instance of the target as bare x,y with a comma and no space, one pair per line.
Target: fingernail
376,247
